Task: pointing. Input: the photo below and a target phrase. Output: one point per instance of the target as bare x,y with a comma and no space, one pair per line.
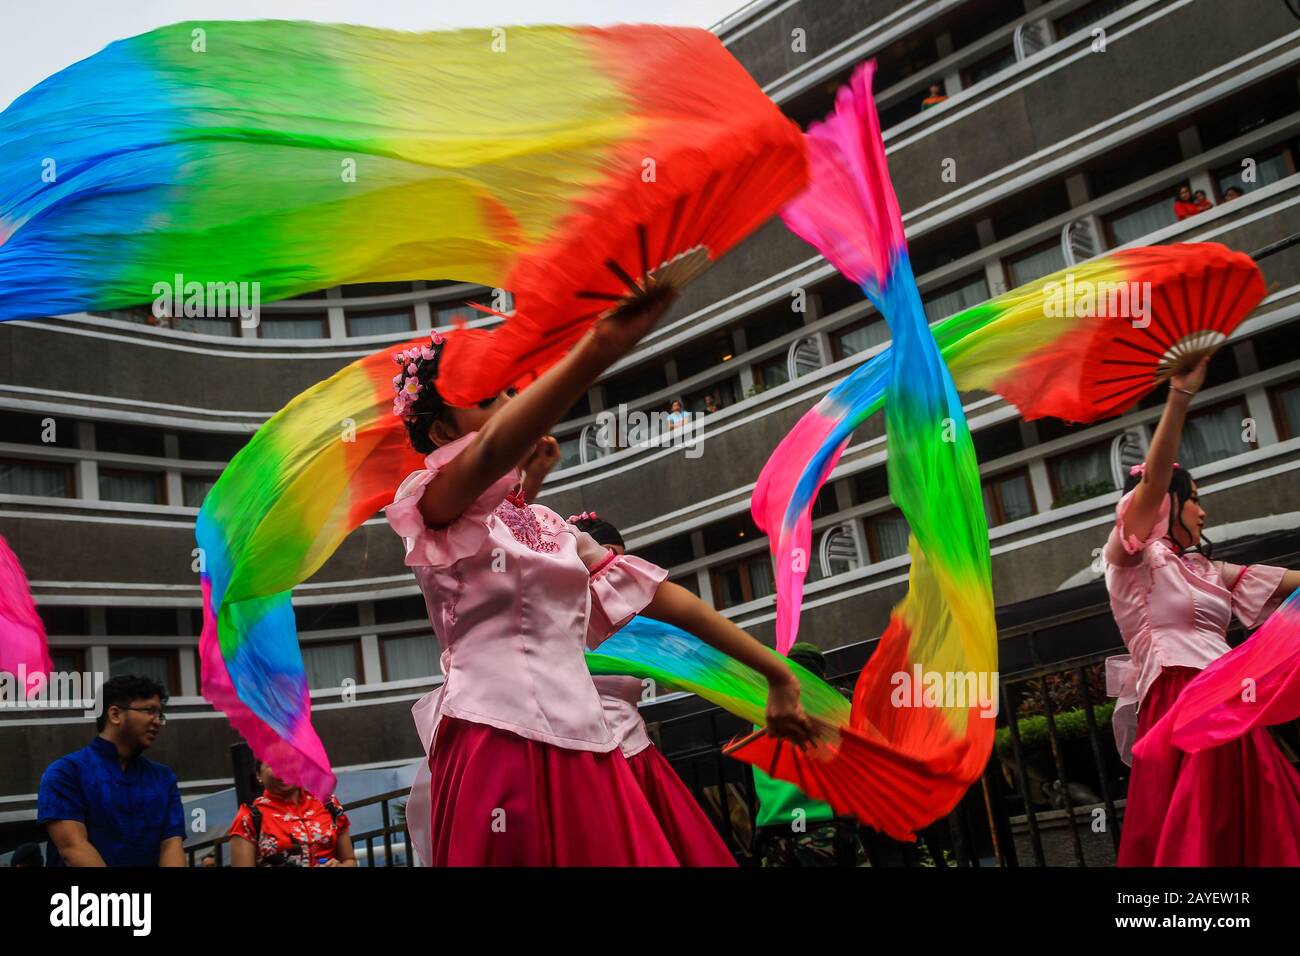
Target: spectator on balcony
287,826
676,416
1202,201
1236,802
935,97
1185,204
1231,193
710,405
107,804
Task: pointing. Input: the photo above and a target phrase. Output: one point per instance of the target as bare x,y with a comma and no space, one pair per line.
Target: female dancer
693,838
1232,805
524,769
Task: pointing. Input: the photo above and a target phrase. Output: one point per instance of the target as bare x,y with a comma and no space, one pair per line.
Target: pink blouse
619,696
516,595
1173,611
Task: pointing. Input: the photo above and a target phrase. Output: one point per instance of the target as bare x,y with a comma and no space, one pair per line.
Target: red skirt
689,832
1237,804
499,799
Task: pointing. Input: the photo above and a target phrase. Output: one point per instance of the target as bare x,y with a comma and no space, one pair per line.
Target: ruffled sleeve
443,547
621,586
1122,542
1254,590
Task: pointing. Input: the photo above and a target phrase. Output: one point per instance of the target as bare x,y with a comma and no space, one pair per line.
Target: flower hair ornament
585,516
407,381
1140,470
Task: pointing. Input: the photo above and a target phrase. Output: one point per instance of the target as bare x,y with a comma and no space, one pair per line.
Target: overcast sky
40,38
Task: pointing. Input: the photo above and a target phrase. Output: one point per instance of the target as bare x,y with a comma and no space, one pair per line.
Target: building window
445,315
1087,15
633,386
68,660
400,610
741,581
1008,497
983,69
388,322
196,488
140,621
48,430
409,656
724,391
771,373
886,535
1036,263
690,582
135,487
870,484
1140,219
1080,475
858,337
955,298
739,529
1269,168
209,446
668,553
570,451
1286,409
226,327
129,440
324,617
1213,434
310,325
44,479
162,666
330,663
705,354
63,619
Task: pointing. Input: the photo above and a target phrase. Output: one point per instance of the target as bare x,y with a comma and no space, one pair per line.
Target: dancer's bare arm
675,605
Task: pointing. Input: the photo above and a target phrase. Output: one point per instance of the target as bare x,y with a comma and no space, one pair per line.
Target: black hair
428,406
120,691
601,530
1180,490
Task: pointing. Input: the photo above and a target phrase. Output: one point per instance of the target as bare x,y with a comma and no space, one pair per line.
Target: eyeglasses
153,712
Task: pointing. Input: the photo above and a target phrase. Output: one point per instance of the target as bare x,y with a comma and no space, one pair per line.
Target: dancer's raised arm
1159,468
510,429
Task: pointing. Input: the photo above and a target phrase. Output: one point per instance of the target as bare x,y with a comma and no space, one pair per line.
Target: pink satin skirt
694,840
498,799
1237,804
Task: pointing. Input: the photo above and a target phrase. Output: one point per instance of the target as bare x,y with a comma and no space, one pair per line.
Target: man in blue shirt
105,804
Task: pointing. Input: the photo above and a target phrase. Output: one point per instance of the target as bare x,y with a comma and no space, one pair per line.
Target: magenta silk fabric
1237,804
1172,611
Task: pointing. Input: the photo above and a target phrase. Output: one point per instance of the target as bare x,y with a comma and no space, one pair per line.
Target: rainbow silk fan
575,167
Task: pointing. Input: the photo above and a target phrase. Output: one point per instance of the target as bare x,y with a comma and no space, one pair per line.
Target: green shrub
1070,725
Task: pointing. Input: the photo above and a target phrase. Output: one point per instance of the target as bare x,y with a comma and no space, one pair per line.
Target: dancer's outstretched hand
620,331
785,716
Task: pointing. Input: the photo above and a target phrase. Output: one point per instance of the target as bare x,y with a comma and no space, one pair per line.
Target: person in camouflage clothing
793,829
